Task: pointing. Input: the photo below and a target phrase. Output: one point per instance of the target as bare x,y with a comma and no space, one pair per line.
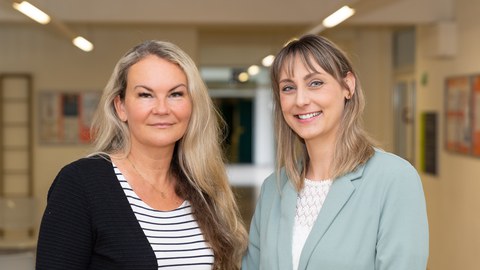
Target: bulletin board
65,117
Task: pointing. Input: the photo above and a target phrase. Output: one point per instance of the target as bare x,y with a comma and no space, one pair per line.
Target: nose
302,98
161,106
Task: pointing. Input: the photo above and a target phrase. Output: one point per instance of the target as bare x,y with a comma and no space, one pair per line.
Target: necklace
162,193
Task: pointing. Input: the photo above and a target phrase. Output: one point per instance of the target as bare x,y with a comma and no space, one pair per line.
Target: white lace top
309,202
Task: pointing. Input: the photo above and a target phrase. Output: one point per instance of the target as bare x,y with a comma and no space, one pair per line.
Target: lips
308,115
161,125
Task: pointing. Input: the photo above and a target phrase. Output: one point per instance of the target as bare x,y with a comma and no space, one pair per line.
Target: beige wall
453,199
56,65
370,49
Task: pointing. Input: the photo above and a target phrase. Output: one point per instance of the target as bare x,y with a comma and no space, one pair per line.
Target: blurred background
418,61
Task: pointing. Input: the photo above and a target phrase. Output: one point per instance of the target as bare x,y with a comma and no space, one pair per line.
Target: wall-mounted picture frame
458,125
476,115
65,117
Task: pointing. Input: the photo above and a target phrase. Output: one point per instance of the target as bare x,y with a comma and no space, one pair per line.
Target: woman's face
157,105
312,102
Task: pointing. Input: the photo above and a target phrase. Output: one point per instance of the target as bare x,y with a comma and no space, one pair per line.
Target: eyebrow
150,89
306,77
285,81
312,74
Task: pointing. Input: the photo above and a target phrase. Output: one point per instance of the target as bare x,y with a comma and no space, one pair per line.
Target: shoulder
87,164
82,172
388,162
389,170
274,184
276,179
96,161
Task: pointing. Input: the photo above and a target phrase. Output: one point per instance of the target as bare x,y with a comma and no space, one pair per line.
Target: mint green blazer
372,219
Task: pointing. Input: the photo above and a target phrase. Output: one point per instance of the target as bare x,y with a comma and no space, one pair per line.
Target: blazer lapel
339,193
288,205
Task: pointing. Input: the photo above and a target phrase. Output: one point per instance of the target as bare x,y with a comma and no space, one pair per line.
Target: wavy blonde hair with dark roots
353,145
198,159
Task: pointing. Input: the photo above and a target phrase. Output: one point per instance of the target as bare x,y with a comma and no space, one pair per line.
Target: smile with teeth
308,115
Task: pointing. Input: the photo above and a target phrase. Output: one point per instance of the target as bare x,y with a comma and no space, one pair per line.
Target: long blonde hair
353,145
198,159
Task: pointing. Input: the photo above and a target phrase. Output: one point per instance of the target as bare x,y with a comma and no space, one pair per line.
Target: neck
153,169
321,160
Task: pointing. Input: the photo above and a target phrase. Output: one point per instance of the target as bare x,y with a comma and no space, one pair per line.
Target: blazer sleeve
403,230
251,259
65,236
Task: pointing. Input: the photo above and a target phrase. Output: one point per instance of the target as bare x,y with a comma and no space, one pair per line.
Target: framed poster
476,115
66,117
458,125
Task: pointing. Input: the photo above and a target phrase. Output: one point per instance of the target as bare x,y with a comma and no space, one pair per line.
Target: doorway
404,117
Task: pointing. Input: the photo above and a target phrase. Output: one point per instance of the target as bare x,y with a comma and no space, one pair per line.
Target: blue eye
316,83
287,88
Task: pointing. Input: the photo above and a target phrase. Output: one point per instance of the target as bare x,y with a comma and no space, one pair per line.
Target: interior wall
56,65
452,197
242,49
370,50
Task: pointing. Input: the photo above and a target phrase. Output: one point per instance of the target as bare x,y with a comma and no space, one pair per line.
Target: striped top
174,236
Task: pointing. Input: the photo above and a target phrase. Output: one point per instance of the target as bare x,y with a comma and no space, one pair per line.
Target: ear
120,108
350,82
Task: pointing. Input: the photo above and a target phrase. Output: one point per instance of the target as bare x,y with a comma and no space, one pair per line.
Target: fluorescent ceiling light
32,12
338,16
83,44
268,60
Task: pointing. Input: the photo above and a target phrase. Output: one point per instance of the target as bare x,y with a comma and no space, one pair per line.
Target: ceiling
233,14
225,25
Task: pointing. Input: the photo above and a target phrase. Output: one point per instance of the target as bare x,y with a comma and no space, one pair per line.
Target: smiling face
157,105
312,101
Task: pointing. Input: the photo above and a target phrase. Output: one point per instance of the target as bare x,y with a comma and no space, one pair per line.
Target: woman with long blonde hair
154,194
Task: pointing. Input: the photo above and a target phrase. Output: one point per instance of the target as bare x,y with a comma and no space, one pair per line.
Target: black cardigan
89,224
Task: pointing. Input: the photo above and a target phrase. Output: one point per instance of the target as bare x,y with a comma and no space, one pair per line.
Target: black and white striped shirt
174,235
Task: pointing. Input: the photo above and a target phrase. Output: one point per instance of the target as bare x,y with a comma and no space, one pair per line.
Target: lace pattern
309,202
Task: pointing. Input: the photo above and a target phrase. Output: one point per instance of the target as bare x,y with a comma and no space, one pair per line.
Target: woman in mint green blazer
335,201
